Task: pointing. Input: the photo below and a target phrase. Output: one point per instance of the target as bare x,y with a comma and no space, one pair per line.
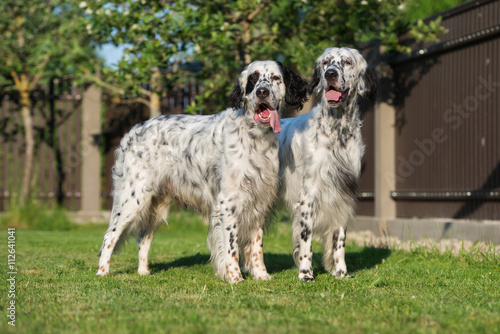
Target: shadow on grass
188,261
274,262
368,258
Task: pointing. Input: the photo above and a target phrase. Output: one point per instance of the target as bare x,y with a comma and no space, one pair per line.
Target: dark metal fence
57,124
120,118
447,110
57,117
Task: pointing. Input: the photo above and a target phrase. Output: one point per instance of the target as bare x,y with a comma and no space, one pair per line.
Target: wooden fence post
91,155
385,148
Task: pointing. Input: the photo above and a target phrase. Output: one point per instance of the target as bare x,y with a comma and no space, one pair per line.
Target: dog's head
265,88
341,74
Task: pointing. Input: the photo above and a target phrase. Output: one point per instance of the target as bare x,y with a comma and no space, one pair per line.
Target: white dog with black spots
225,166
320,159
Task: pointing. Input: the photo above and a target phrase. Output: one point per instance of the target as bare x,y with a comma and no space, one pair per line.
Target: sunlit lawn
394,292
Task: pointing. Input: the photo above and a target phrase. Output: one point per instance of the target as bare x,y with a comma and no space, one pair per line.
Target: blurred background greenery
210,41
167,44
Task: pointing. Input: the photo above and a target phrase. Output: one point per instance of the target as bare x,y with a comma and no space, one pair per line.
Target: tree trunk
243,42
154,109
30,146
246,38
154,99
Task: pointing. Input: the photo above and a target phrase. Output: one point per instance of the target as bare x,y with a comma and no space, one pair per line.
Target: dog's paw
101,271
234,277
262,277
306,276
144,272
342,274
235,280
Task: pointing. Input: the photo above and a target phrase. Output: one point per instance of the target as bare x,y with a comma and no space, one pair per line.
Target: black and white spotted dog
224,165
320,159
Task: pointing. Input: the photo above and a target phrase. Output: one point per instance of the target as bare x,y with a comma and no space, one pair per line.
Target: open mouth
265,115
335,97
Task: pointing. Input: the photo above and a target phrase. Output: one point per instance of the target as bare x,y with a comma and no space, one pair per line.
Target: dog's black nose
331,74
262,92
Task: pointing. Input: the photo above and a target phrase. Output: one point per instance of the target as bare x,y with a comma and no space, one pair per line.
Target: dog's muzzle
264,113
334,96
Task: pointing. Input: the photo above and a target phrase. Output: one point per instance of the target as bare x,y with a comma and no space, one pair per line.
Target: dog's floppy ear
367,82
313,85
237,95
296,87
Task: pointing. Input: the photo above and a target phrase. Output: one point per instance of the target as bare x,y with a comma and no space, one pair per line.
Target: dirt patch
32,271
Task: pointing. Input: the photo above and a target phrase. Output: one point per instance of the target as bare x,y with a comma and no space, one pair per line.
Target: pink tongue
256,117
275,121
333,95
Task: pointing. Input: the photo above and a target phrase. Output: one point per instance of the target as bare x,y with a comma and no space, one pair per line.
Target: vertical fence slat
445,96
5,153
69,147
77,105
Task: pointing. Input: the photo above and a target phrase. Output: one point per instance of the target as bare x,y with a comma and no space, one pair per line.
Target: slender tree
39,41
153,32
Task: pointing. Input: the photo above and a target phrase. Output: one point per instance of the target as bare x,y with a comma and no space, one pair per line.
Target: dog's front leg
223,242
302,235
230,224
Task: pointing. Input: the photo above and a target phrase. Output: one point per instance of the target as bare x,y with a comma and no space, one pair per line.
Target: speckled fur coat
225,166
320,159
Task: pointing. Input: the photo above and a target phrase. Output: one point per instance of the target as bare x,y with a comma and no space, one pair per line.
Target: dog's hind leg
158,215
334,253
124,220
253,256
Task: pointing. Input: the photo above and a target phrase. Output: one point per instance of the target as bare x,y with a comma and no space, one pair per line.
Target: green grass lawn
394,292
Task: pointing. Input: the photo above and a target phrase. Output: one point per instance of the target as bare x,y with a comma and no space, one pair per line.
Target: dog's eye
325,62
348,62
276,78
254,77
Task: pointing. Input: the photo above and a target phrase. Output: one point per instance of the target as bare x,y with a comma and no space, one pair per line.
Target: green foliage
395,291
35,216
41,39
152,32
52,38
415,10
225,36
426,33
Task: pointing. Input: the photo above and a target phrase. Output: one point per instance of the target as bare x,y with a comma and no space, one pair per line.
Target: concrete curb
404,229
415,229
81,217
